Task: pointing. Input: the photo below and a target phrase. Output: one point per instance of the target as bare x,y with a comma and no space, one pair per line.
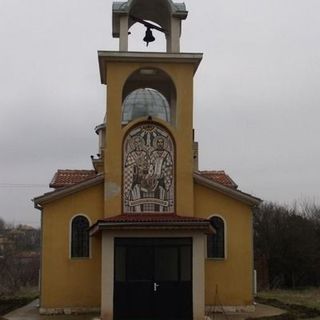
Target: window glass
215,243
80,237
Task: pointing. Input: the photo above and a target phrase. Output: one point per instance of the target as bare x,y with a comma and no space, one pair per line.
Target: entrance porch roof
154,221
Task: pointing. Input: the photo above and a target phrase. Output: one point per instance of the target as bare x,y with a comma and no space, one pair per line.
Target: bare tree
19,262
288,241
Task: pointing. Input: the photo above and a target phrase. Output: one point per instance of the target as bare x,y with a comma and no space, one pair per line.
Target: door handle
155,286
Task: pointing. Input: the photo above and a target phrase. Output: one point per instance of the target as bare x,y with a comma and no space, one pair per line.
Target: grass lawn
300,304
307,297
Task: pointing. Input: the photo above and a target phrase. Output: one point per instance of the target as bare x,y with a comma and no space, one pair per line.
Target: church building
145,234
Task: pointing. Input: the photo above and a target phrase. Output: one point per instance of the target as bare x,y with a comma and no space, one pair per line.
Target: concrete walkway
30,312
262,310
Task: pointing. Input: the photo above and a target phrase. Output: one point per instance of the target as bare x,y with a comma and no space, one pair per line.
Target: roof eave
68,190
103,225
234,193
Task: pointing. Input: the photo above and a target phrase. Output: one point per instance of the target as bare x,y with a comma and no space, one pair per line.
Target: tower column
124,27
173,39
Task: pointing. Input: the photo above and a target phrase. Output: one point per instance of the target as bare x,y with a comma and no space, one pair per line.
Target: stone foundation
209,310
229,309
68,311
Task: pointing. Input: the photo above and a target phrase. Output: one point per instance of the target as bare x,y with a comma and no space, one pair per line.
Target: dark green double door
153,278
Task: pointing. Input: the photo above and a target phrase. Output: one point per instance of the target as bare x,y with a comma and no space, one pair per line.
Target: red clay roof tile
151,217
220,177
68,177
164,221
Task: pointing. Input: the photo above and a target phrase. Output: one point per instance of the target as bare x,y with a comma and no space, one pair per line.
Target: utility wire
22,185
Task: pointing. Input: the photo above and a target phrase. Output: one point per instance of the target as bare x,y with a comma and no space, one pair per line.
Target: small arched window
80,237
216,242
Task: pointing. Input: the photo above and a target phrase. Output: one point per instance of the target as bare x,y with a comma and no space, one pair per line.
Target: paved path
30,312
262,310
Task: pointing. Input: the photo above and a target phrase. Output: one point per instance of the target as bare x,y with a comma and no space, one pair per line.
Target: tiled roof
220,177
68,177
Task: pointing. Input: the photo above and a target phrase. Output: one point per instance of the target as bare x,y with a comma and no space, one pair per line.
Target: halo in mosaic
148,170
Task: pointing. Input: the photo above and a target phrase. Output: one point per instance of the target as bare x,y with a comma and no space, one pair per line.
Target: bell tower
165,13
148,146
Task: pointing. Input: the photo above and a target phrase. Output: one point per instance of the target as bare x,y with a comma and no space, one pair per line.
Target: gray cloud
256,105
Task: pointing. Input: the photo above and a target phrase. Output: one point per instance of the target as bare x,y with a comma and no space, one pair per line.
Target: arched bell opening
142,38
154,18
149,92
162,15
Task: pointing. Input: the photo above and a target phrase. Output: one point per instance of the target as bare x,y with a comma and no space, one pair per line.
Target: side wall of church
65,281
232,277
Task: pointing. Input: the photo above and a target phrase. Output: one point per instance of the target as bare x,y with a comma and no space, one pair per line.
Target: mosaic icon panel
148,170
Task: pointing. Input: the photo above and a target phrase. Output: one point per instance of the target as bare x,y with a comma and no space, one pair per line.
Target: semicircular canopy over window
145,102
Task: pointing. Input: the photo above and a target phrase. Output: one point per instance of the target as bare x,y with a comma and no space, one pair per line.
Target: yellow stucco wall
232,276
182,76
67,282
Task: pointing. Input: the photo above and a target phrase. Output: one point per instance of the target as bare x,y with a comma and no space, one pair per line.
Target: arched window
216,242
80,237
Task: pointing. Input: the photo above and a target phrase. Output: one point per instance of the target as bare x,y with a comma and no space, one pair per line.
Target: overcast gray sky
256,105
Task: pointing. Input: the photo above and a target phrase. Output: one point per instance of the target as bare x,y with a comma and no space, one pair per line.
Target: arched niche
155,79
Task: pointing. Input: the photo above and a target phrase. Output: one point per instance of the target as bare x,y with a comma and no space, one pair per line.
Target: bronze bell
149,36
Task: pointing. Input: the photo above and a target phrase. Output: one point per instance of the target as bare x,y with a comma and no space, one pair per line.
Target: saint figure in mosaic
148,170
